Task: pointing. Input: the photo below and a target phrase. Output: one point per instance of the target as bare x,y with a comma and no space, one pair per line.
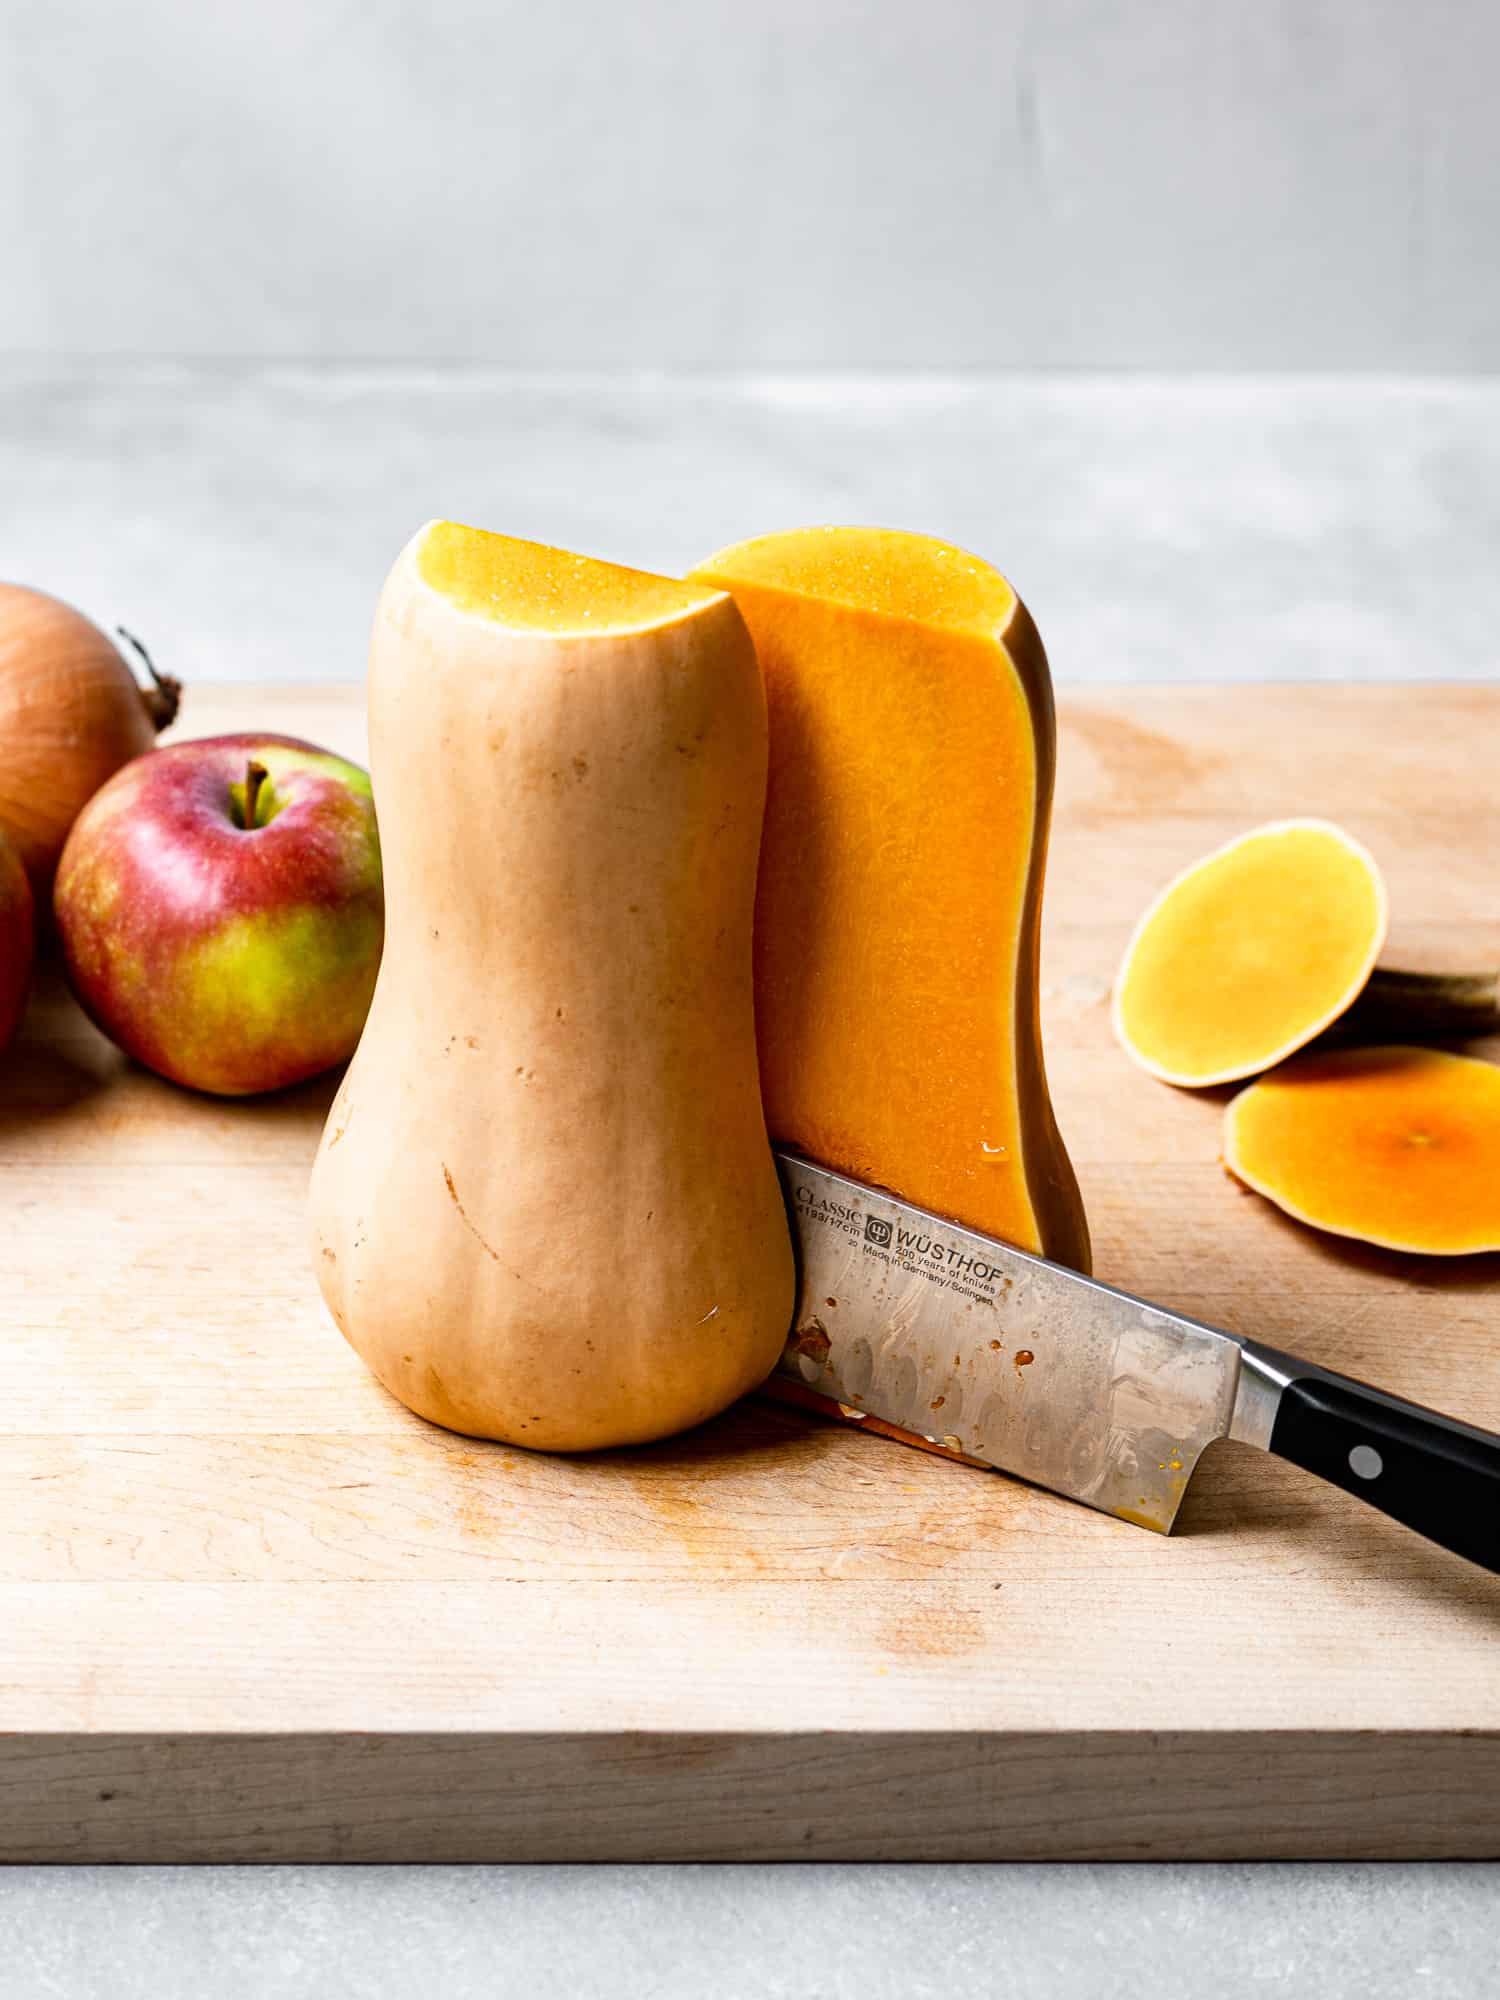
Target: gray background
727,184
1186,312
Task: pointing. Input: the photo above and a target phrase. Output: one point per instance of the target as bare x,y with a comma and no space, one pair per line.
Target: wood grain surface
250,1608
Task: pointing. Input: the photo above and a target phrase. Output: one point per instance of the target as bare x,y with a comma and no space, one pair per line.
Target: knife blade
955,1340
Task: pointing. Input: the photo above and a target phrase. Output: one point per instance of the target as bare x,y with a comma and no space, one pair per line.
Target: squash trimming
1250,953
1268,943
1396,1146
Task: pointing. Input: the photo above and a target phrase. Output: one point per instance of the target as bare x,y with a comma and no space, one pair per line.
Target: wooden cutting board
252,1609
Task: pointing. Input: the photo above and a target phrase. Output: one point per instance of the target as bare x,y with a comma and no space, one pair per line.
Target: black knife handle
1432,1474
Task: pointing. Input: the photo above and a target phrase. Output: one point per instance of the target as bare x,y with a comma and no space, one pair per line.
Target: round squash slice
1250,953
1396,1146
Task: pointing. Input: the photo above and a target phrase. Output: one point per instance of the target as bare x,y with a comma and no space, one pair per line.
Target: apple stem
255,776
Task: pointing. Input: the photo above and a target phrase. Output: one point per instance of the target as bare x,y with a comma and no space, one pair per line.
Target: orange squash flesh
899,898
532,587
1396,1146
1249,954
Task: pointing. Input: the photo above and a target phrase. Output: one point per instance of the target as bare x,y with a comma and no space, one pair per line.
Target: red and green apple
221,910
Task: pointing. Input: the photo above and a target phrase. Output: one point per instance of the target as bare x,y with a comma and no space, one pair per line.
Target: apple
17,940
221,910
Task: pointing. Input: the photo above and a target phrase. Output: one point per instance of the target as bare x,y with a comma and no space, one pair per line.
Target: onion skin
71,713
17,940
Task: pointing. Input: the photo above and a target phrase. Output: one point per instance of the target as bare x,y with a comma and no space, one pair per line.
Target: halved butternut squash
544,1208
1396,1146
1250,953
899,898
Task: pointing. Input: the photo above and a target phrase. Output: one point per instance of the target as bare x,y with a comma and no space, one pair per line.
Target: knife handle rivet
1365,1462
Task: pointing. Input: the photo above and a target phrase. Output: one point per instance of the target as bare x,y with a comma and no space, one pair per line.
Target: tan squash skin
544,1208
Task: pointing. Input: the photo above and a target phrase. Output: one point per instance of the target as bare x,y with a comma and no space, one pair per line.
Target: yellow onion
71,713
17,940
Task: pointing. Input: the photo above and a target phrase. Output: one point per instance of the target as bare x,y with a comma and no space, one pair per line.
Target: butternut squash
897,916
1250,953
1396,1146
544,1208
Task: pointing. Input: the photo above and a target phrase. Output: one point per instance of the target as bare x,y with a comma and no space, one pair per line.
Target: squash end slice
1241,1071
1262,1182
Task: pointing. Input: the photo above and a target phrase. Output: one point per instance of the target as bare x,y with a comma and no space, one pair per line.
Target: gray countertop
241,520
808,1932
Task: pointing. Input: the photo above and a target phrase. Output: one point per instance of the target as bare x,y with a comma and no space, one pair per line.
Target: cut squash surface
899,897
881,571
1249,954
1396,1146
529,587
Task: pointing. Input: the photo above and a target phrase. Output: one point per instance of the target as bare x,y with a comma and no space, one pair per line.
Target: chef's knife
907,1321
